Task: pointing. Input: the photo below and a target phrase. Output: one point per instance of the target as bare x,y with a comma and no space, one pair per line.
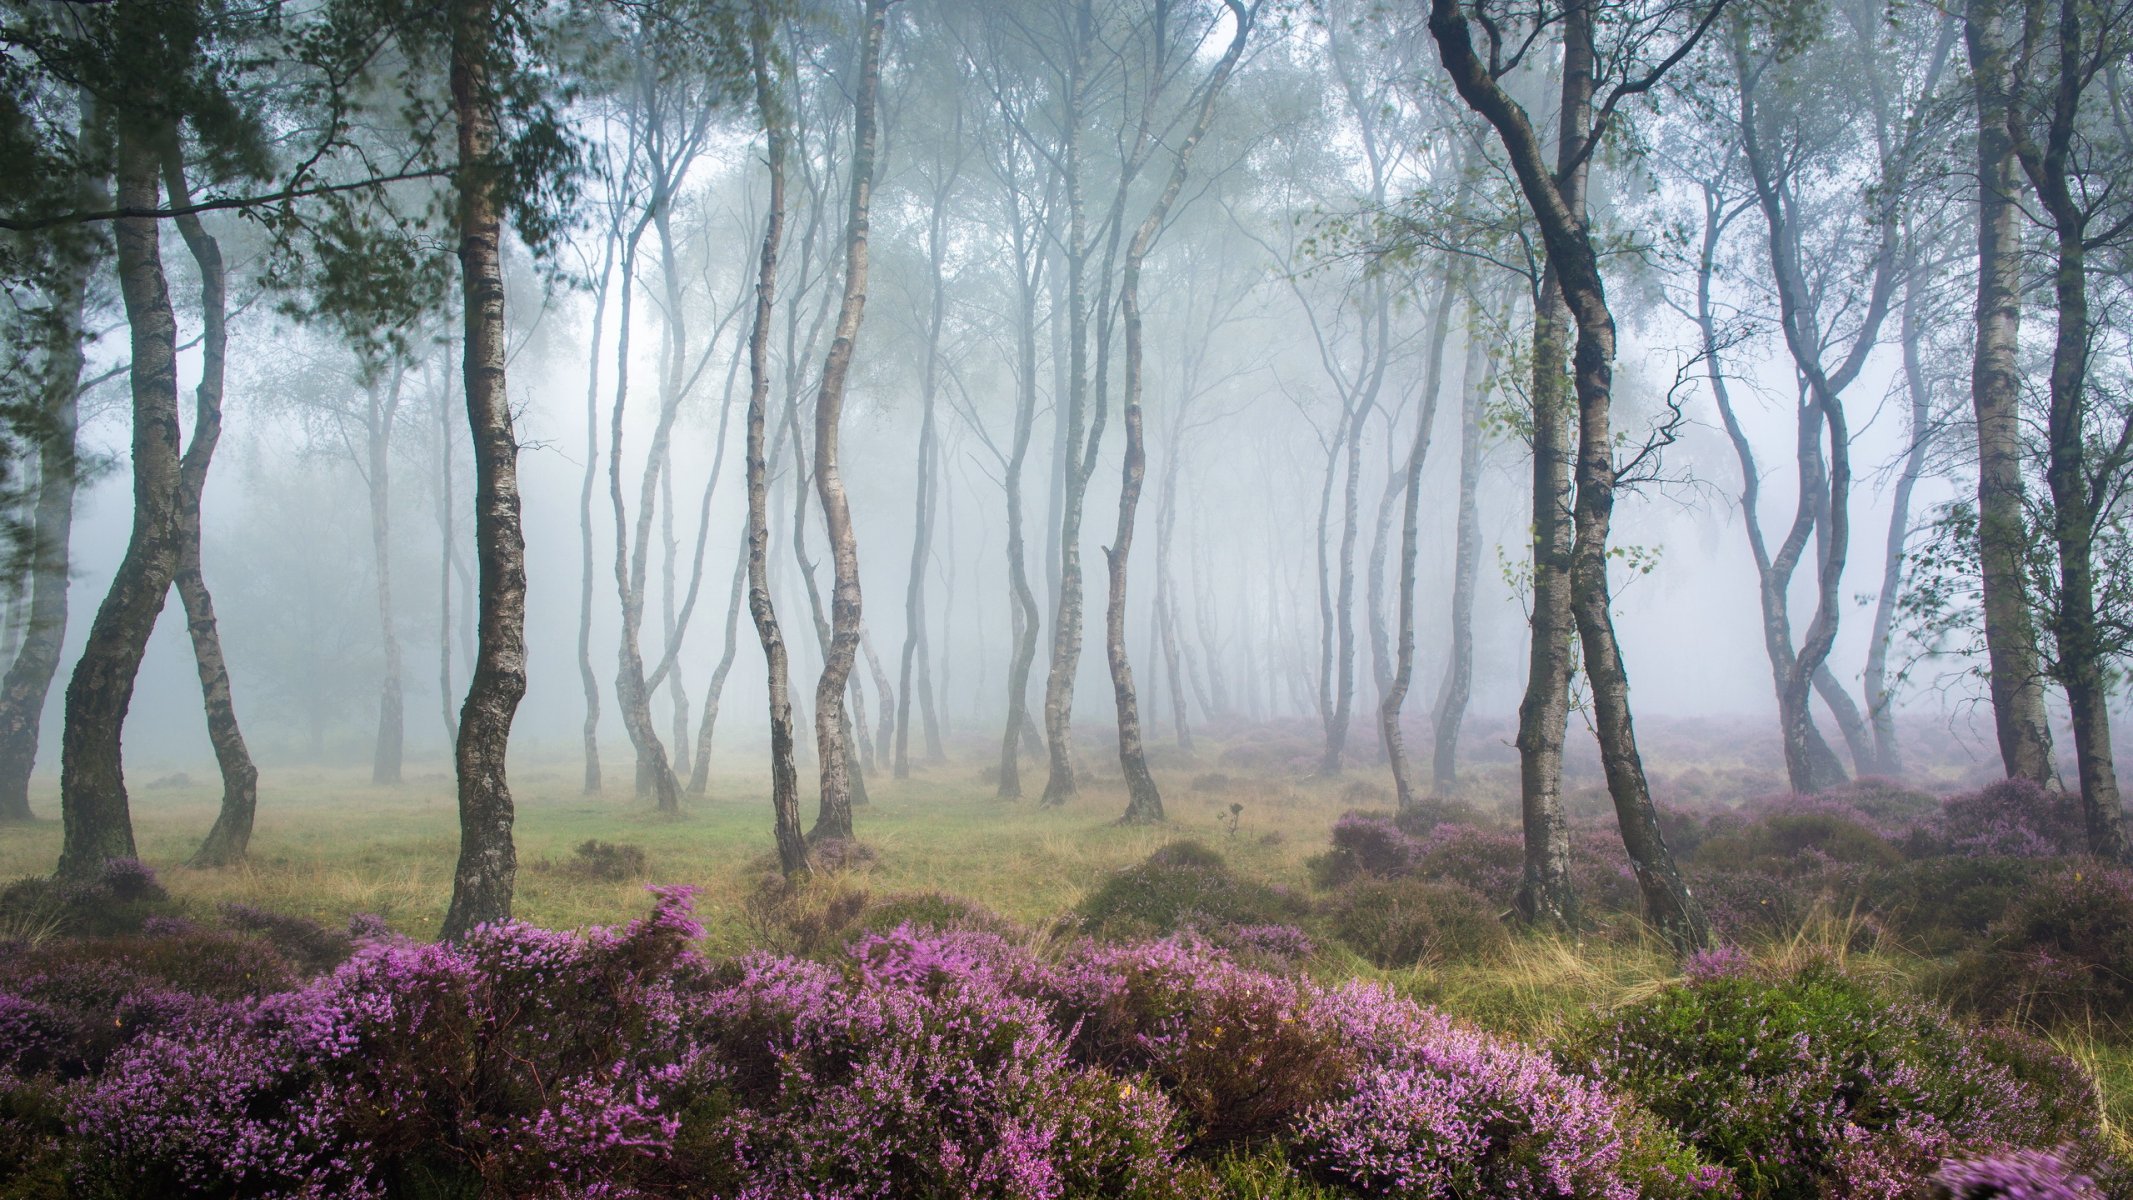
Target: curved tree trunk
834,820
1557,202
700,769
587,677
232,832
98,825
487,872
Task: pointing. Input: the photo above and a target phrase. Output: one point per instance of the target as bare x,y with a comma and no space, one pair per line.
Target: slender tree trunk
834,820
1166,594
1557,202
1544,896
655,776
784,776
232,831
483,882
1880,695
885,731
98,825
28,681
914,649
2016,679
1458,685
1060,785
2075,494
445,559
587,677
1022,599
1343,672
1403,668
1144,803
380,414
700,769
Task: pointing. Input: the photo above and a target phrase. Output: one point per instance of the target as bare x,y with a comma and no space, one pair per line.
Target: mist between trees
840,387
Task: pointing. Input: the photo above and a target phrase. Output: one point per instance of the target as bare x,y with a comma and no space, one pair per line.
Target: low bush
1401,922
2062,952
2013,818
119,901
1944,905
1183,886
1815,1083
309,946
608,862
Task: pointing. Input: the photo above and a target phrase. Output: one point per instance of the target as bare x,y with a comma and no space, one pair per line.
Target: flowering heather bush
1438,1109
1815,1085
2013,818
1232,1046
1400,922
930,1079
2062,952
521,1061
2021,1175
1365,843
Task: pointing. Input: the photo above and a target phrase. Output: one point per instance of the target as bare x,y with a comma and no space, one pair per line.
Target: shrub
1235,1048
308,945
1942,905
1489,862
610,862
119,901
1438,1109
1815,1080
519,1062
1365,843
1183,886
1423,816
1400,922
931,1079
2013,818
2021,1175
1799,841
2062,953
1212,781
933,911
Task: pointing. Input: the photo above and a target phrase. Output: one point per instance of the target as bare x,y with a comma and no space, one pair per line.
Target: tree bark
1403,667
587,677
1880,694
28,681
1557,201
700,769
2016,679
487,872
98,825
784,777
2081,666
1545,897
232,832
378,426
1458,685
834,819
914,649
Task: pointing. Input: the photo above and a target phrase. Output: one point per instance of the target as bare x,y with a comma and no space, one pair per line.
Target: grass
329,844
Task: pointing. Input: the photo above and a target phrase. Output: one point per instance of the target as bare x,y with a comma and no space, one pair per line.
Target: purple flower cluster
2013,818
2020,1175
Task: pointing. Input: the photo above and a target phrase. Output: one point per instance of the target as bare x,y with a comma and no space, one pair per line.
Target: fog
1325,244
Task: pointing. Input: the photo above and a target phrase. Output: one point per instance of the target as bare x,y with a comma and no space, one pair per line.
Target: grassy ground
329,844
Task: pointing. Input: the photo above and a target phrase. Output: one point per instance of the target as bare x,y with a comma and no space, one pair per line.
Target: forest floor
329,844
